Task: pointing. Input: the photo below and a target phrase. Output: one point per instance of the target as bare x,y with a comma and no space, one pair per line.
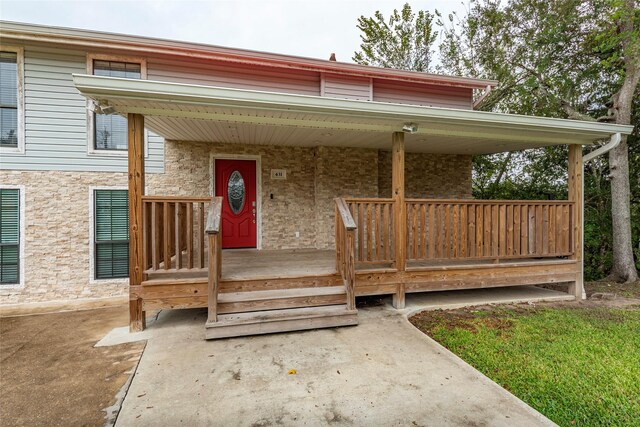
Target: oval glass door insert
236,192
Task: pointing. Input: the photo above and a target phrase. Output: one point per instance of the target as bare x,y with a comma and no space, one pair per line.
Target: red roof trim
71,36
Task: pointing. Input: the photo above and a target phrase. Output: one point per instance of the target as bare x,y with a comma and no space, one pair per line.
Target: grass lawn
578,365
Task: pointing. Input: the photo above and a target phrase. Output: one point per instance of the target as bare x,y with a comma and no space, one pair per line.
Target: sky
308,28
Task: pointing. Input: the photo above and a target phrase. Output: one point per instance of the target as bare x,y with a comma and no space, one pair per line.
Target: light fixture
107,109
410,128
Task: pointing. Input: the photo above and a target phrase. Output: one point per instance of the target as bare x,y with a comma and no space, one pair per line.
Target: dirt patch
610,290
499,317
470,319
52,375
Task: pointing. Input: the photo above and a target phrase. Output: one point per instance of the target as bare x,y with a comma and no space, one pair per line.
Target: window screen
111,130
8,99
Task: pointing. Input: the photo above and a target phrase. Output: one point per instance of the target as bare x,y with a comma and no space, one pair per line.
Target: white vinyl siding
56,119
346,87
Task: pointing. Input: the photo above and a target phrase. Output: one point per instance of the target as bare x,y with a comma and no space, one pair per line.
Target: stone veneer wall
428,176
57,204
57,236
341,172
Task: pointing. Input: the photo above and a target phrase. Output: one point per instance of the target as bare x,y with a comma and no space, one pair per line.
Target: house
271,189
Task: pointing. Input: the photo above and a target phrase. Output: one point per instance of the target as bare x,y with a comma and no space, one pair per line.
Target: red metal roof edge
72,36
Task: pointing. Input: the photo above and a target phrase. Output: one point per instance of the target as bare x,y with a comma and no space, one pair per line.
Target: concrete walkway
382,372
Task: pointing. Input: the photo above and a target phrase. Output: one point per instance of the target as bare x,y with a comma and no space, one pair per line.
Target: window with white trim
111,234
9,95
9,236
110,131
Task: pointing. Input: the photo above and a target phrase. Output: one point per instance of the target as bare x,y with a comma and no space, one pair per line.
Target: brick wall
341,172
428,176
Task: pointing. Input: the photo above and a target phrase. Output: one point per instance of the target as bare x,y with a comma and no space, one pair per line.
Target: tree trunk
624,268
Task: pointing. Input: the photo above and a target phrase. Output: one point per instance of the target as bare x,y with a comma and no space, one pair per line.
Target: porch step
272,321
276,299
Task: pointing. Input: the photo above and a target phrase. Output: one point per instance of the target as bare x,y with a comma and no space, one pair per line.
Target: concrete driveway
382,372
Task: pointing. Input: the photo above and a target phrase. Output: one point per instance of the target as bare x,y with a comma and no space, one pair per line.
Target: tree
577,59
404,41
619,45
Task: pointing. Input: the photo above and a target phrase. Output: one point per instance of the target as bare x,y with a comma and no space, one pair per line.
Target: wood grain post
397,179
137,320
575,195
214,237
350,269
214,278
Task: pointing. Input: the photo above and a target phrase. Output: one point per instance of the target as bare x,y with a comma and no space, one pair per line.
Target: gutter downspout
616,138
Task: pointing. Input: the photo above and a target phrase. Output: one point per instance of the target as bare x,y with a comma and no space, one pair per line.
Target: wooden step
273,321
238,302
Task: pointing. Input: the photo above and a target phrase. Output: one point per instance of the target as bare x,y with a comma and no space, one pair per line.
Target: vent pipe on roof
332,57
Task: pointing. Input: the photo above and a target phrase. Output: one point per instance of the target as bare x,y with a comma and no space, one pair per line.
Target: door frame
212,184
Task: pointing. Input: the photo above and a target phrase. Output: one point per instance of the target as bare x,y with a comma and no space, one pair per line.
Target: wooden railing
214,235
173,233
345,250
495,229
376,227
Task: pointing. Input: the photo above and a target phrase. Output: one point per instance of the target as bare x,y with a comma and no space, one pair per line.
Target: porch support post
575,171
397,179
136,191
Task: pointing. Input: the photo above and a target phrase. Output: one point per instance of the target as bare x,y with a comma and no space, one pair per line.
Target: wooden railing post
136,245
346,250
575,195
214,257
350,268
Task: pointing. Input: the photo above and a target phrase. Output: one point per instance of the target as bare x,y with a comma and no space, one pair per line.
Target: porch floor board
252,264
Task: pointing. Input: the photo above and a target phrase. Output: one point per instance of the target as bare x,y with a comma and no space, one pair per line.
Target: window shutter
111,233
9,235
112,215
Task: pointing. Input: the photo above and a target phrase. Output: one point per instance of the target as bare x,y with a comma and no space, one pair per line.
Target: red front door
236,183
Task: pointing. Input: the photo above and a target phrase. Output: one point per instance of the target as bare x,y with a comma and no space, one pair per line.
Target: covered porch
381,245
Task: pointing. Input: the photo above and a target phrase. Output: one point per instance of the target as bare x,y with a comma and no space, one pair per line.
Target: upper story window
110,131
11,107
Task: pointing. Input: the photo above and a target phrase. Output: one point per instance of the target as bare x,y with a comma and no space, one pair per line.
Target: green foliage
404,41
576,366
555,59
561,58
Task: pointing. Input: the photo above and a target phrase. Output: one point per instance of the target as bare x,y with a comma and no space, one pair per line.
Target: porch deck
239,265
252,264
440,245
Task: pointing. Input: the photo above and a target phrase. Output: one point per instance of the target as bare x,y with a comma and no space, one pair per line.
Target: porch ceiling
204,113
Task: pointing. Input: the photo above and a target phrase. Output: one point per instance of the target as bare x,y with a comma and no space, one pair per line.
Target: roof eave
31,32
97,87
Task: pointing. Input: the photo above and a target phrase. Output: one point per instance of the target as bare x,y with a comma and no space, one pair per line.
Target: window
111,234
9,236
110,131
9,99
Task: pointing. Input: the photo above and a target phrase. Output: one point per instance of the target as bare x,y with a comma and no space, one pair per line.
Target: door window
236,192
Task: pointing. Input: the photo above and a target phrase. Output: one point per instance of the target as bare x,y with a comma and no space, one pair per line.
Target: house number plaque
278,174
